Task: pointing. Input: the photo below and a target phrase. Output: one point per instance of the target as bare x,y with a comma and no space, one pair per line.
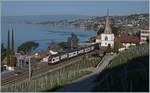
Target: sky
91,8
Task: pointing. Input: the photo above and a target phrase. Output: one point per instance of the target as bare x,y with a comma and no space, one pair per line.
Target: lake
43,34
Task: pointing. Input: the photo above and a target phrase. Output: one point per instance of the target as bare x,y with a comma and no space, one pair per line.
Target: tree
27,47
59,47
116,30
72,41
95,27
12,56
8,49
116,48
12,41
100,31
92,39
3,51
62,45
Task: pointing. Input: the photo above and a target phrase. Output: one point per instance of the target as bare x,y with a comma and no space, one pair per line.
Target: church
122,40
107,37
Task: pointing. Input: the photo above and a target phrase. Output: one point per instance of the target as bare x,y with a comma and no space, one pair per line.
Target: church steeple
108,29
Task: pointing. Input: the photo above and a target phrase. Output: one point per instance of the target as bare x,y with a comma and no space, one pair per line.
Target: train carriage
81,51
63,56
72,54
87,49
69,54
53,59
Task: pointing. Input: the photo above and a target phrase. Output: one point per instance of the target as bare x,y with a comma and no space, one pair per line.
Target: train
52,59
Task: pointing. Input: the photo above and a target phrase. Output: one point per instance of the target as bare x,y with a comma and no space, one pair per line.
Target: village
29,64
119,42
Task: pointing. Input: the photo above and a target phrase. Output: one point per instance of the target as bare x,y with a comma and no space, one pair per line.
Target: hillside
129,72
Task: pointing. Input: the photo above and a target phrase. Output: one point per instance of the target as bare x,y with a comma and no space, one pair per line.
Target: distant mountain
40,18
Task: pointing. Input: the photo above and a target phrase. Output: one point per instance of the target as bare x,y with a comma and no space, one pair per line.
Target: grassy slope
126,73
81,74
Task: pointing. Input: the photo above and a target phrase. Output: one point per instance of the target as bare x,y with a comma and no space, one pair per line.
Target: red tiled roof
127,39
44,54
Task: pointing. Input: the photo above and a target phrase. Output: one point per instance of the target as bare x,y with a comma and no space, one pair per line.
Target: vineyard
56,78
129,71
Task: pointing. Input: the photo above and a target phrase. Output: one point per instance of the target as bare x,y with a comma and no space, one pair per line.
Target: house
144,36
127,40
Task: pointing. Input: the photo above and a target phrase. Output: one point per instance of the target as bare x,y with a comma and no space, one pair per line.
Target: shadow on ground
132,76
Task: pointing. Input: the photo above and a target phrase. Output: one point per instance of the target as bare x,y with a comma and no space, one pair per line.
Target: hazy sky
96,8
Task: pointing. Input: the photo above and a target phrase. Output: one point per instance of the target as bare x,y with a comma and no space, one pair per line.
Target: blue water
43,34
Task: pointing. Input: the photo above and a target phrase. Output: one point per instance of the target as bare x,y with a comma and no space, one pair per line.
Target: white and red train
63,56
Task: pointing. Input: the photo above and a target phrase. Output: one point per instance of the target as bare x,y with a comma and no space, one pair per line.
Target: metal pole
71,44
29,68
21,63
18,64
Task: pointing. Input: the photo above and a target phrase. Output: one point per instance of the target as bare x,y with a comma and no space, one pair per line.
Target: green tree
62,45
100,31
116,48
73,41
95,27
116,30
8,49
3,51
12,41
92,39
27,47
59,47
12,56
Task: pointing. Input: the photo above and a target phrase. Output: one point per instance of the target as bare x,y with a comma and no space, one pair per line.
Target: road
85,84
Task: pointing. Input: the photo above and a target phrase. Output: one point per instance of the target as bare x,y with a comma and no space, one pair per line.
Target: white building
107,37
144,35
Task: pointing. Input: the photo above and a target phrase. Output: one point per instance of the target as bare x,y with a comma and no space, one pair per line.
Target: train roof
68,51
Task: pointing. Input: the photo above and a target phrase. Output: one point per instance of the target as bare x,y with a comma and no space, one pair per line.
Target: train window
27,62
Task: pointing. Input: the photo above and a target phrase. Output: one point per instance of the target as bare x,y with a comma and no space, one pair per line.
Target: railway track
25,75
37,71
13,77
